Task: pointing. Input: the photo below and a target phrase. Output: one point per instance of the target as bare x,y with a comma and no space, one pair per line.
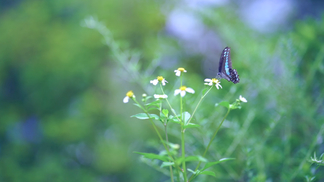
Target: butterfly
225,69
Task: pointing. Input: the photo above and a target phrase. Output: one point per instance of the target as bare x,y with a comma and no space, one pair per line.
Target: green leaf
210,173
209,164
153,156
191,125
205,90
144,116
195,158
223,103
235,106
156,117
138,105
186,116
174,119
153,108
154,103
165,164
172,145
192,171
140,116
165,112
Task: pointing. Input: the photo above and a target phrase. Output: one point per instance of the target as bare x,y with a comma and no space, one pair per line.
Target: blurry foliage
61,111
56,101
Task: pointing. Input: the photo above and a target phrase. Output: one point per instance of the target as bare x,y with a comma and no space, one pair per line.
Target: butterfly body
225,69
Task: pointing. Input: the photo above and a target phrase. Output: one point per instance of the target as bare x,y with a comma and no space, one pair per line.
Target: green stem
202,97
211,140
157,131
167,139
178,176
169,104
183,151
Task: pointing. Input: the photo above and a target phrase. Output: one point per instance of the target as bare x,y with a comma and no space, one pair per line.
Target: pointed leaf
138,105
172,145
153,156
154,103
192,171
223,103
186,116
153,108
144,116
165,164
191,125
210,173
205,90
195,158
140,116
165,112
154,116
174,119
209,164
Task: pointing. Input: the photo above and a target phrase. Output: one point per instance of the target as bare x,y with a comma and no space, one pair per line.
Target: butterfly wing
225,69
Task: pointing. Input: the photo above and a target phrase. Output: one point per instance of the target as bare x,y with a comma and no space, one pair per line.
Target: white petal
164,81
126,99
207,80
190,90
218,85
177,91
154,82
210,83
183,93
243,99
177,72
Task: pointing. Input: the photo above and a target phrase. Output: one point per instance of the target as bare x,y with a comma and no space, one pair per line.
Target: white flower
211,81
159,78
242,99
129,95
182,90
179,70
160,96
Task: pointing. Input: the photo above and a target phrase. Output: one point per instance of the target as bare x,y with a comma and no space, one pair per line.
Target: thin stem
202,97
157,131
167,140
169,104
214,135
166,136
184,168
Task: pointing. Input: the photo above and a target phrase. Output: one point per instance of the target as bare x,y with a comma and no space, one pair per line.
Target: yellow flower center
183,88
130,94
214,80
181,69
160,78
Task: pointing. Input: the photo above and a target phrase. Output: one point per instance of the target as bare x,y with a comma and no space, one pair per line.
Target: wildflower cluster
177,164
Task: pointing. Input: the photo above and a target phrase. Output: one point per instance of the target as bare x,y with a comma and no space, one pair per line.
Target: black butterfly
225,69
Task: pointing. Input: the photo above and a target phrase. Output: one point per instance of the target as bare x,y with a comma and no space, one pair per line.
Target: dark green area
61,90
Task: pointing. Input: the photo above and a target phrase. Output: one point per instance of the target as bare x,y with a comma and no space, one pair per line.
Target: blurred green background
61,87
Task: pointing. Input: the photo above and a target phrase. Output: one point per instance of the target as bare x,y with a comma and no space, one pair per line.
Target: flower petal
183,93
177,91
154,82
126,99
177,72
243,99
190,90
